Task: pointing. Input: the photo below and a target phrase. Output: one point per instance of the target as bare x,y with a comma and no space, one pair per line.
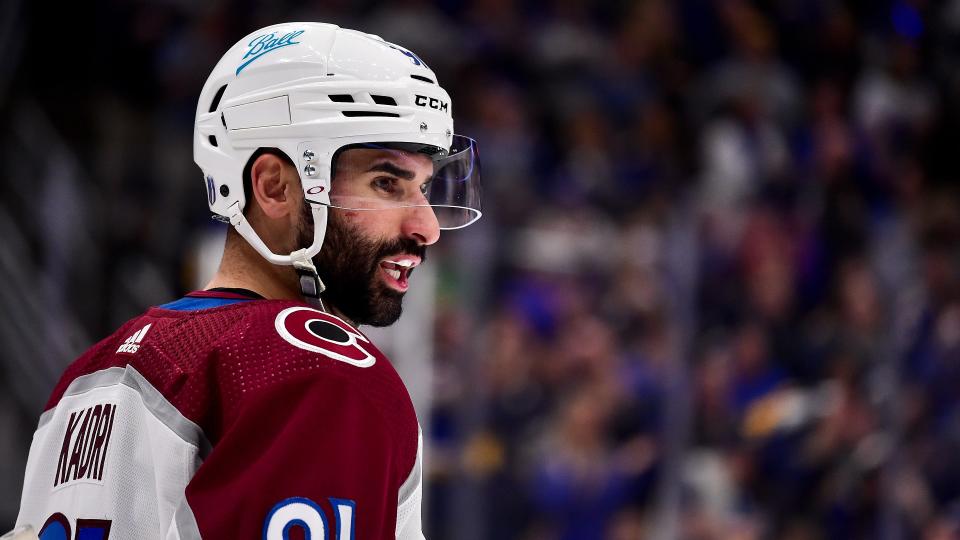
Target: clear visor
394,176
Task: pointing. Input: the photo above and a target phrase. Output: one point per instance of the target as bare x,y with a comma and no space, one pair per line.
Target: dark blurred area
715,293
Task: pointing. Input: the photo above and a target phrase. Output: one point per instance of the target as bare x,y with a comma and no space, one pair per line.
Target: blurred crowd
726,243
715,293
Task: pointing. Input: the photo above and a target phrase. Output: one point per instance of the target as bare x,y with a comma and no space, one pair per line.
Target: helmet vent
213,140
422,78
353,114
341,98
383,100
216,98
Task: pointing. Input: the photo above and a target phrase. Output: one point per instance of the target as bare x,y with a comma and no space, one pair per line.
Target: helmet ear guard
302,259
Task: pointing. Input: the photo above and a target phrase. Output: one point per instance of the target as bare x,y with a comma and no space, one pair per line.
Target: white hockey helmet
310,89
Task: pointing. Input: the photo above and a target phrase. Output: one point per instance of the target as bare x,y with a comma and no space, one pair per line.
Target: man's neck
243,268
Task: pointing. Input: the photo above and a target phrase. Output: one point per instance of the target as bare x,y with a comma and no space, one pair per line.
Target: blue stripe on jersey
188,303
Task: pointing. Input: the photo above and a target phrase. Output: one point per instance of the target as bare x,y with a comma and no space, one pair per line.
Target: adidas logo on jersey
132,344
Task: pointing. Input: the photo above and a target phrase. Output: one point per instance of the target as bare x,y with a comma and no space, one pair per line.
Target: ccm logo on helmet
432,102
323,333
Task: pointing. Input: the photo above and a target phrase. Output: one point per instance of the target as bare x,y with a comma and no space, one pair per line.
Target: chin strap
310,284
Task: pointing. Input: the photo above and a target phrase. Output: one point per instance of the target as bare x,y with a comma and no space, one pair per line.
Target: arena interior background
715,293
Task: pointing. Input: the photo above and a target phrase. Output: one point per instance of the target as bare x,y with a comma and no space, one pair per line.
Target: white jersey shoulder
114,456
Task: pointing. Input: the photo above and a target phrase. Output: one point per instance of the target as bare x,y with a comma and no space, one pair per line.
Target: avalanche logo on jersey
324,333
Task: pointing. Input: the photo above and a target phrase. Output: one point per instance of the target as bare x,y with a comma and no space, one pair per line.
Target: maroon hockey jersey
223,416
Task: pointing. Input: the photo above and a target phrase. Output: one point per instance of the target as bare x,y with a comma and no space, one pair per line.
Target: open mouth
396,271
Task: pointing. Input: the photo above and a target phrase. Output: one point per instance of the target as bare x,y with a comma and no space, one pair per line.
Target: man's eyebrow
392,169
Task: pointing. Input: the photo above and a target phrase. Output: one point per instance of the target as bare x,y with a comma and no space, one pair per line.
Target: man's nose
421,224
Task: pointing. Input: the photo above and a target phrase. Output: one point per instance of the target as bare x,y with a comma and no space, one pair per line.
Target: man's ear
270,184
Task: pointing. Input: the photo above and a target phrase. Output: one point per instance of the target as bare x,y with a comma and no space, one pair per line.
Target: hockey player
256,408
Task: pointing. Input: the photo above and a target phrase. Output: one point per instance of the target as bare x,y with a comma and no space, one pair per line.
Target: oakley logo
261,45
432,102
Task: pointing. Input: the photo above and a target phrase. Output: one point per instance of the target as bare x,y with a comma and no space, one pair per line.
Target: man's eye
425,187
385,184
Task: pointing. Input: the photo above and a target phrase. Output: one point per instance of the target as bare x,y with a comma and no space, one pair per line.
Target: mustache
402,246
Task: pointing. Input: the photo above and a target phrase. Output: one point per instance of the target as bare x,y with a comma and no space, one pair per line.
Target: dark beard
348,265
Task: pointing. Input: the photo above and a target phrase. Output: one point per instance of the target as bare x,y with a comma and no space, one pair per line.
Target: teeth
395,274
404,263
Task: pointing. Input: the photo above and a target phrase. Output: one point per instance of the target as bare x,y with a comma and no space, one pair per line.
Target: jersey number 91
306,514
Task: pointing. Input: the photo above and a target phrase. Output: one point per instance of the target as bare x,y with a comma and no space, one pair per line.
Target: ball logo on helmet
265,43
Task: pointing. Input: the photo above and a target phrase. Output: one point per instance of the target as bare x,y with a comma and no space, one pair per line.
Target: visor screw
308,155
423,127
224,190
449,133
310,170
